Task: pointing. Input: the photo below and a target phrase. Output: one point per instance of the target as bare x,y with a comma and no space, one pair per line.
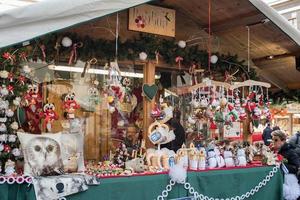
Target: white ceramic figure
193,157
202,158
228,157
220,159
241,157
212,160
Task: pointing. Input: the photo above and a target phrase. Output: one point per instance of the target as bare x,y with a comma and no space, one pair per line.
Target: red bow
178,60
22,80
73,56
10,77
43,49
10,88
23,56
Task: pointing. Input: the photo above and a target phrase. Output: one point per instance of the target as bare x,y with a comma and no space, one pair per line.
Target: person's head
276,128
268,124
278,138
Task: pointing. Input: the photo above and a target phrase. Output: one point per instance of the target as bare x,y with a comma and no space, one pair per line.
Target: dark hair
275,128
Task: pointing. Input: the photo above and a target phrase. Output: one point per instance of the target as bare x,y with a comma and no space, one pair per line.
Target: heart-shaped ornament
149,91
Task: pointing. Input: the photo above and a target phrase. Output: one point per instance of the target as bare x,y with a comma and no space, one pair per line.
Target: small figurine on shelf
212,160
228,157
193,157
50,115
202,158
182,156
70,105
9,167
121,155
241,157
220,159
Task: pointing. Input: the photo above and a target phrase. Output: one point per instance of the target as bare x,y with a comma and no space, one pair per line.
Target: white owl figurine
212,160
220,159
228,157
241,157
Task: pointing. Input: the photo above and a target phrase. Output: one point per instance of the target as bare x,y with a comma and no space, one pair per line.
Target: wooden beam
149,78
247,19
293,85
274,57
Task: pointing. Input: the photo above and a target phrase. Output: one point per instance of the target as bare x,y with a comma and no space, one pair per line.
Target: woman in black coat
288,151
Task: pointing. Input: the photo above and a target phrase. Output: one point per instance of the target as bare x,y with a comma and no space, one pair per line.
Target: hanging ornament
96,82
70,105
7,148
17,101
10,88
3,127
33,97
178,60
16,152
9,113
143,56
11,77
4,74
66,42
73,55
26,69
93,97
21,80
214,59
9,57
1,148
43,51
182,44
14,126
12,138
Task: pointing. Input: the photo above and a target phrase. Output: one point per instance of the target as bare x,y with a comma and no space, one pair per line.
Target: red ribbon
23,56
178,60
10,77
43,49
8,56
73,56
10,88
22,80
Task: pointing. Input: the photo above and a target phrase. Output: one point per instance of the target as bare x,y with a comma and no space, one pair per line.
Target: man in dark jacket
266,136
288,152
179,132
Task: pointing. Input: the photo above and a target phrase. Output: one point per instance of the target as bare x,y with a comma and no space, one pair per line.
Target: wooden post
291,124
149,78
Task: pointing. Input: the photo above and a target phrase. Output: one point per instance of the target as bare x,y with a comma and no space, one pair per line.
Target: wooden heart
149,91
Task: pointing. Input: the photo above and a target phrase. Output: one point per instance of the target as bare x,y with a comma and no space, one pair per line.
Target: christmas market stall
141,100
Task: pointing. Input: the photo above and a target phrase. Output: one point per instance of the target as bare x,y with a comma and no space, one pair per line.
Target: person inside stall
266,136
288,151
179,132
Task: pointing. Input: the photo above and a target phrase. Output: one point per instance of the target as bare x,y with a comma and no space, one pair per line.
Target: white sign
233,131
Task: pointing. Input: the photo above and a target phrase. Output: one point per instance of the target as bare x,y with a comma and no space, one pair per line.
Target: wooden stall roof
270,34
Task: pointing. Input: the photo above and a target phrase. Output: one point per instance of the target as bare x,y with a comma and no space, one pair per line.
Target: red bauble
7,148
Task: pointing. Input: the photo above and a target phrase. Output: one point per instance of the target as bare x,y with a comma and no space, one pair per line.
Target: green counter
215,183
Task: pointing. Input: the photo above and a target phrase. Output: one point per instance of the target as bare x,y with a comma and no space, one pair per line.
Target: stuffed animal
228,157
50,115
241,157
70,105
71,164
202,158
33,97
136,164
220,159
